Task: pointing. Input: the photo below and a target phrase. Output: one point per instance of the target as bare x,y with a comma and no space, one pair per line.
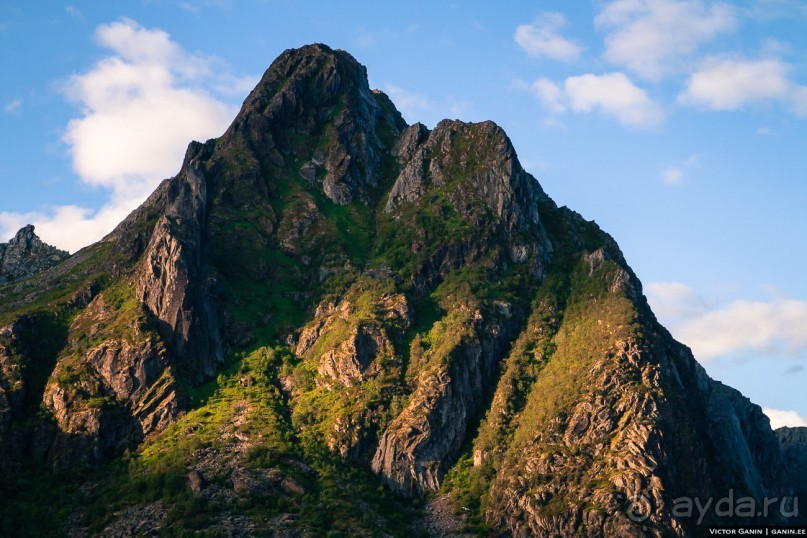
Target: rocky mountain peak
320,95
26,255
25,235
475,162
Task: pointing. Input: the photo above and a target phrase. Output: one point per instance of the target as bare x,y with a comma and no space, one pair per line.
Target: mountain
330,321
26,255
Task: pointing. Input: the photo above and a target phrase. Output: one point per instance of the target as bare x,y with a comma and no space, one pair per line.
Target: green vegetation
409,238
576,316
33,355
245,426
343,413
469,487
36,502
50,293
593,320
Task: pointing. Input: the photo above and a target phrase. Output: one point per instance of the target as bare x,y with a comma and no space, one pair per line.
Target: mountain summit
332,321
26,255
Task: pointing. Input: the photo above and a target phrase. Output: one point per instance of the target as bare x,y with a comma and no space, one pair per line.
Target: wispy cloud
13,106
714,330
734,83
550,94
781,418
75,13
410,103
542,39
676,173
672,175
653,38
612,94
460,108
140,107
196,6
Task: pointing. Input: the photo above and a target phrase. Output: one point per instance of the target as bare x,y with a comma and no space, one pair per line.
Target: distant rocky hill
26,255
330,322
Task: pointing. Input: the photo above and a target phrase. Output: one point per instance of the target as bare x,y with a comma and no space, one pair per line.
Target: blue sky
679,126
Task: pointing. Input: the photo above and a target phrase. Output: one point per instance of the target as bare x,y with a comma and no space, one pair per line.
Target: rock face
112,389
794,445
415,451
473,162
26,255
301,89
325,289
176,284
12,383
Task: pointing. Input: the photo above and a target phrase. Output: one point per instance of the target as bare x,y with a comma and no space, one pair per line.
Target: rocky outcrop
594,445
28,348
354,359
316,93
175,282
349,345
794,447
12,362
474,181
476,163
109,395
26,255
421,444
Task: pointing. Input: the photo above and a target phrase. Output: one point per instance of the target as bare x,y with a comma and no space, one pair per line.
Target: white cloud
672,175
675,174
781,418
775,327
550,94
409,103
13,106
730,84
612,94
140,107
673,301
746,325
656,37
541,39
189,7
228,85
197,5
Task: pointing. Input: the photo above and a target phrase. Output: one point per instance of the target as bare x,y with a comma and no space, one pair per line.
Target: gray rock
195,482
421,444
118,392
175,282
26,255
794,446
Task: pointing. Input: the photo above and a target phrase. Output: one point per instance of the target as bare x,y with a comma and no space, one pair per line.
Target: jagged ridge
26,255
